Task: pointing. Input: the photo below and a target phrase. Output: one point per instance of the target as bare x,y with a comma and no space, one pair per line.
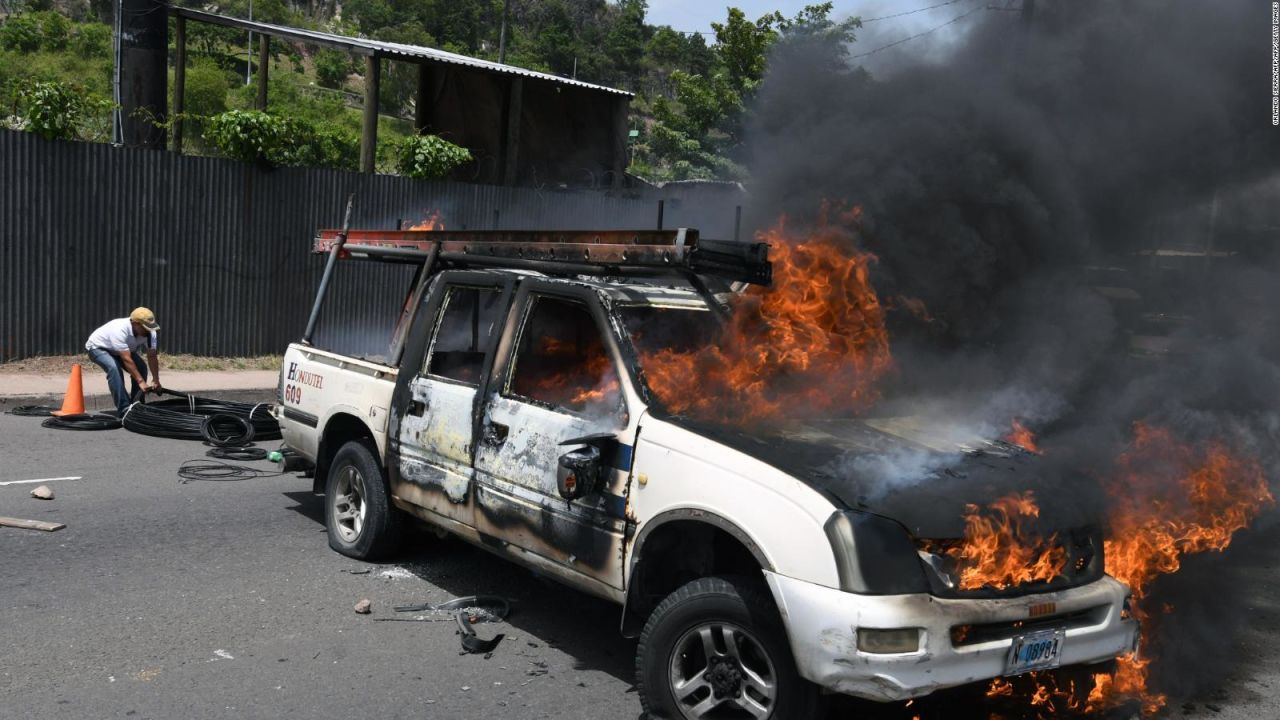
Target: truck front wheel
716,648
357,508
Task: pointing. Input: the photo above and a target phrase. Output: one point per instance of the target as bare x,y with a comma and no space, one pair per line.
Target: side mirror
579,472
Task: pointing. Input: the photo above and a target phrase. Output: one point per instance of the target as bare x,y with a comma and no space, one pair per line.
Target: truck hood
921,473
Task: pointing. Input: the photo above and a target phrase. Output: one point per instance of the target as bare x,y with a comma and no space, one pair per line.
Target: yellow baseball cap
145,318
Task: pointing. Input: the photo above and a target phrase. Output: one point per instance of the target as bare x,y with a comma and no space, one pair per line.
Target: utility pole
502,32
142,84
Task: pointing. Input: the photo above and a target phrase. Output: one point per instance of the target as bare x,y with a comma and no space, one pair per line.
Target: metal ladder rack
613,253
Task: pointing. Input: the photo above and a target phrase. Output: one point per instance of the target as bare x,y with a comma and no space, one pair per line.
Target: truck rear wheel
716,648
357,506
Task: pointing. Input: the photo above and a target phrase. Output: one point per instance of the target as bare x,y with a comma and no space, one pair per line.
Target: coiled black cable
213,470
245,454
226,430
184,418
82,422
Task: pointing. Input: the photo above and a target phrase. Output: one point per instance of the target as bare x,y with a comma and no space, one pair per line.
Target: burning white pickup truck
550,397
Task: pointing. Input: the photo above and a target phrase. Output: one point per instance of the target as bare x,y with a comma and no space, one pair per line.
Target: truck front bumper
823,623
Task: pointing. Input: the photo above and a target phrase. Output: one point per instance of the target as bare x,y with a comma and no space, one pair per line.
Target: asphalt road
222,600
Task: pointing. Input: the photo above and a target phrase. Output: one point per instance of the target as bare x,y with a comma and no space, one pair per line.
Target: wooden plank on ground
31,524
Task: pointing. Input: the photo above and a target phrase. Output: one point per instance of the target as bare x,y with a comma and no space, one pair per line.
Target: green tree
21,33
332,68
207,85
698,133
92,40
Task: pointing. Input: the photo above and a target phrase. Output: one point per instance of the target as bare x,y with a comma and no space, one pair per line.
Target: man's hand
153,387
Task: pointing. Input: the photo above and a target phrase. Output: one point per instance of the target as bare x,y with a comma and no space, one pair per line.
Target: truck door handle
417,408
494,434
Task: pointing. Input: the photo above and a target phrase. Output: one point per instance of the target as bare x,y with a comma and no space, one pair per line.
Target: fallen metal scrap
467,611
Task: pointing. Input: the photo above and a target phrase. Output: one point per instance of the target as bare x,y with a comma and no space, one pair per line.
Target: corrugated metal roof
363,46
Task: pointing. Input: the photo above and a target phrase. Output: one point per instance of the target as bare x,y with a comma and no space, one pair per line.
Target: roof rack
614,253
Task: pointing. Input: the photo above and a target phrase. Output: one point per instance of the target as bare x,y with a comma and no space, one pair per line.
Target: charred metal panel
517,496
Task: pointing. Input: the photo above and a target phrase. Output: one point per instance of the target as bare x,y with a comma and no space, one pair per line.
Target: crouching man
115,346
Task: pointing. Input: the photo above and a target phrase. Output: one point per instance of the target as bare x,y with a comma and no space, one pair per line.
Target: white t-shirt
117,336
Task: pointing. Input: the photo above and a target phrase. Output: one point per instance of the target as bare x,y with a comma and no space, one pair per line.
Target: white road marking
40,480
223,654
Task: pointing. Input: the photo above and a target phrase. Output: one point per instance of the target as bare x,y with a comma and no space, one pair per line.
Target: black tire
734,612
358,514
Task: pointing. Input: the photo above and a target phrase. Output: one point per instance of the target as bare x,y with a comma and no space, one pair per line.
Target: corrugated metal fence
220,250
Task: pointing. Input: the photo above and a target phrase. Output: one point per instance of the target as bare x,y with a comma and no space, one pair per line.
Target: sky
697,15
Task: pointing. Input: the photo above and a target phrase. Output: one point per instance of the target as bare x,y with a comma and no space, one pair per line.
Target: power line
910,12
934,29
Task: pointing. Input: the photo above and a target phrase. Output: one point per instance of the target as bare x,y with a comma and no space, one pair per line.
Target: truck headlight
885,642
874,555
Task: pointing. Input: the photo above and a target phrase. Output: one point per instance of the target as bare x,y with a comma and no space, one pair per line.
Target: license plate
1035,651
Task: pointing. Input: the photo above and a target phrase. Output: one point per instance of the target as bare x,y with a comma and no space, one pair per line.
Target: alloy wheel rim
721,671
349,504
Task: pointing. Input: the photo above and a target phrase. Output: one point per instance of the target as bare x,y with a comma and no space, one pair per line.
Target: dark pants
113,366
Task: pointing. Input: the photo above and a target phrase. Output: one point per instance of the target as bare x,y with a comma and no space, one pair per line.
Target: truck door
439,414
556,379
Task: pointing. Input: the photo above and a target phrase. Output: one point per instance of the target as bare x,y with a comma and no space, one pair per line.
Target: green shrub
55,31
333,147
56,111
206,88
428,157
332,68
246,135
21,33
92,40
254,136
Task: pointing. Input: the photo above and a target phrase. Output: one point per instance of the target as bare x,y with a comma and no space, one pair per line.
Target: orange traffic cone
73,401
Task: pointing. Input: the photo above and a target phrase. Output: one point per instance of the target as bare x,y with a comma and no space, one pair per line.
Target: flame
1169,498
433,221
813,342
581,376
1022,437
1000,549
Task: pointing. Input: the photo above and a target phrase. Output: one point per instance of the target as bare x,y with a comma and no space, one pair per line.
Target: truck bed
318,385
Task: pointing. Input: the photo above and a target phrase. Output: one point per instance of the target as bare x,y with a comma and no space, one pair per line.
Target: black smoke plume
1088,204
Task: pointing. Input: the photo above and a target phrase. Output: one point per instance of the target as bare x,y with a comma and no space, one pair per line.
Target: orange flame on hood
813,342
1170,498
1000,549
1022,437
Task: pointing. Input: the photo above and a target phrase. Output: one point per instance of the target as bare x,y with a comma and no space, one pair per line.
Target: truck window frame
448,285
591,306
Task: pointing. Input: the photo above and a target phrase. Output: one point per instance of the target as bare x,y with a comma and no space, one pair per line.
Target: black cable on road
221,422
245,454
82,422
220,471
227,430
32,410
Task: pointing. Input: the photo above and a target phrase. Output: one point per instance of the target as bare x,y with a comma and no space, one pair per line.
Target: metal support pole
369,129
329,266
264,62
661,204
502,33
179,79
737,223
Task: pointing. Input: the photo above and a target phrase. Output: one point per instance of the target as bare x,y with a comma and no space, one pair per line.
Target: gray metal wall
220,250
